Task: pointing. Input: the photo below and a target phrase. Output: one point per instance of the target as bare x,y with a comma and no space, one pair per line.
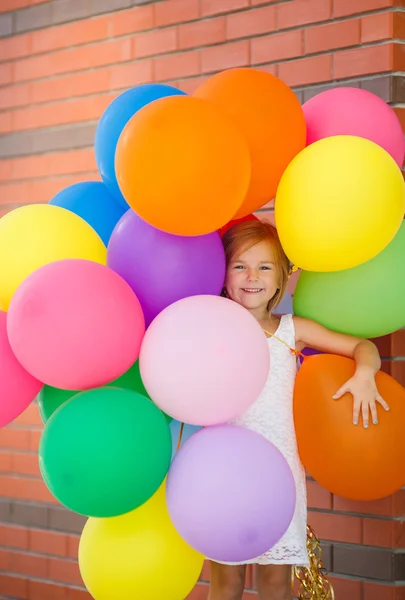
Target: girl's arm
362,385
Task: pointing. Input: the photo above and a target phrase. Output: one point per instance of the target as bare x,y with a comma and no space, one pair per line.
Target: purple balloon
230,493
162,268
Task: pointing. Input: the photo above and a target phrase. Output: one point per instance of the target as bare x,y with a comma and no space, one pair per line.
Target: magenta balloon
162,268
230,493
17,387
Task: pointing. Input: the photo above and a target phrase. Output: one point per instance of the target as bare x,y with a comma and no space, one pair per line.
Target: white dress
271,415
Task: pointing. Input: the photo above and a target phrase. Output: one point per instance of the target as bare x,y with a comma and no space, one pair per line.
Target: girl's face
251,277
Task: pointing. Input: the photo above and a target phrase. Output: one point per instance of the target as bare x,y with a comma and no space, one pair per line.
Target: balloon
188,431
340,202
229,225
270,117
38,234
17,387
105,452
182,166
113,121
75,325
138,555
366,301
50,399
230,493
92,201
352,111
204,360
162,268
348,460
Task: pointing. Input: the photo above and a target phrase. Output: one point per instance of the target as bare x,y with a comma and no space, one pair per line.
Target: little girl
256,278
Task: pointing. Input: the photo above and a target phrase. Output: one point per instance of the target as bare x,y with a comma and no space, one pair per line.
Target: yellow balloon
138,556
36,235
340,202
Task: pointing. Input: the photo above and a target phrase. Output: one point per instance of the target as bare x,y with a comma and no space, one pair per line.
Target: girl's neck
266,319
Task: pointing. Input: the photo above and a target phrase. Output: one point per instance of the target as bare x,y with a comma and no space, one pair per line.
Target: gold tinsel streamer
313,583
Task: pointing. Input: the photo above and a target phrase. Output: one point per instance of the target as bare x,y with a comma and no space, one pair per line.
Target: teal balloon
50,399
367,301
105,452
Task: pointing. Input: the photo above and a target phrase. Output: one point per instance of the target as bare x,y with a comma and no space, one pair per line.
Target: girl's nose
252,275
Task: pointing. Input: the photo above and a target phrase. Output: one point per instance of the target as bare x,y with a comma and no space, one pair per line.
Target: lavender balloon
162,268
230,493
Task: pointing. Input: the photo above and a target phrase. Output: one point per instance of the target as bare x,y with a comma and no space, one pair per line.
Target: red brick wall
61,63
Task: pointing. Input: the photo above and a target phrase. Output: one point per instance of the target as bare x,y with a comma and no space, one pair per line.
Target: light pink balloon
75,325
17,387
351,111
204,360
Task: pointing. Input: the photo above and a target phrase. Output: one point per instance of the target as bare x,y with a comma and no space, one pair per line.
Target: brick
6,73
16,439
5,562
360,561
202,33
7,5
29,417
306,70
71,86
6,25
61,519
331,36
59,113
336,528
33,17
28,564
378,591
108,6
216,7
73,546
128,75
29,515
35,437
253,22
362,61
6,123
318,497
376,27
176,11
398,25
227,56
381,507
378,532
302,12
48,542
159,41
190,85
69,10
383,87
200,592
278,46
347,588
15,587
76,594
176,66
15,46
139,18
344,8
14,537
73,59
398,368
39,590
65,571
43,165
15,95
70,34
6,459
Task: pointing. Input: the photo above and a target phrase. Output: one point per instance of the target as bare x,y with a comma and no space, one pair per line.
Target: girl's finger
373,410
343,390
356,411
382,402
364,410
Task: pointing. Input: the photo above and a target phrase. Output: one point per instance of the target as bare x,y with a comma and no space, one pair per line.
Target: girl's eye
264,268
239,267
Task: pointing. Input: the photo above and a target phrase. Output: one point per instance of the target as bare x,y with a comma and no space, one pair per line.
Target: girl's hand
365,395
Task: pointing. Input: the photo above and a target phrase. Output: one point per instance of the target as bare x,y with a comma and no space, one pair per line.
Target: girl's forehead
260,252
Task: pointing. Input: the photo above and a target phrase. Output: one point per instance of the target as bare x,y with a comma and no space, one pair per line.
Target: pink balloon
351,111
75,325
17,387
204,360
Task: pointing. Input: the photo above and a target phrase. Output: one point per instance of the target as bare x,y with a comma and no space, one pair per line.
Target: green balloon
367,301
105,452
50,399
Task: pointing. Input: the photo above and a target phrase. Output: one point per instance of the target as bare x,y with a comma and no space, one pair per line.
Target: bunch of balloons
111,311
339,212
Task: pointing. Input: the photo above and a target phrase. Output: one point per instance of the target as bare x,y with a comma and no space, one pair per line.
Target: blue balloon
113,121
188,431
91,201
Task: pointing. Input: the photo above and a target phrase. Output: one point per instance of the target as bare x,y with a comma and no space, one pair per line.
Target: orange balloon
269,115
346,459
183,166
